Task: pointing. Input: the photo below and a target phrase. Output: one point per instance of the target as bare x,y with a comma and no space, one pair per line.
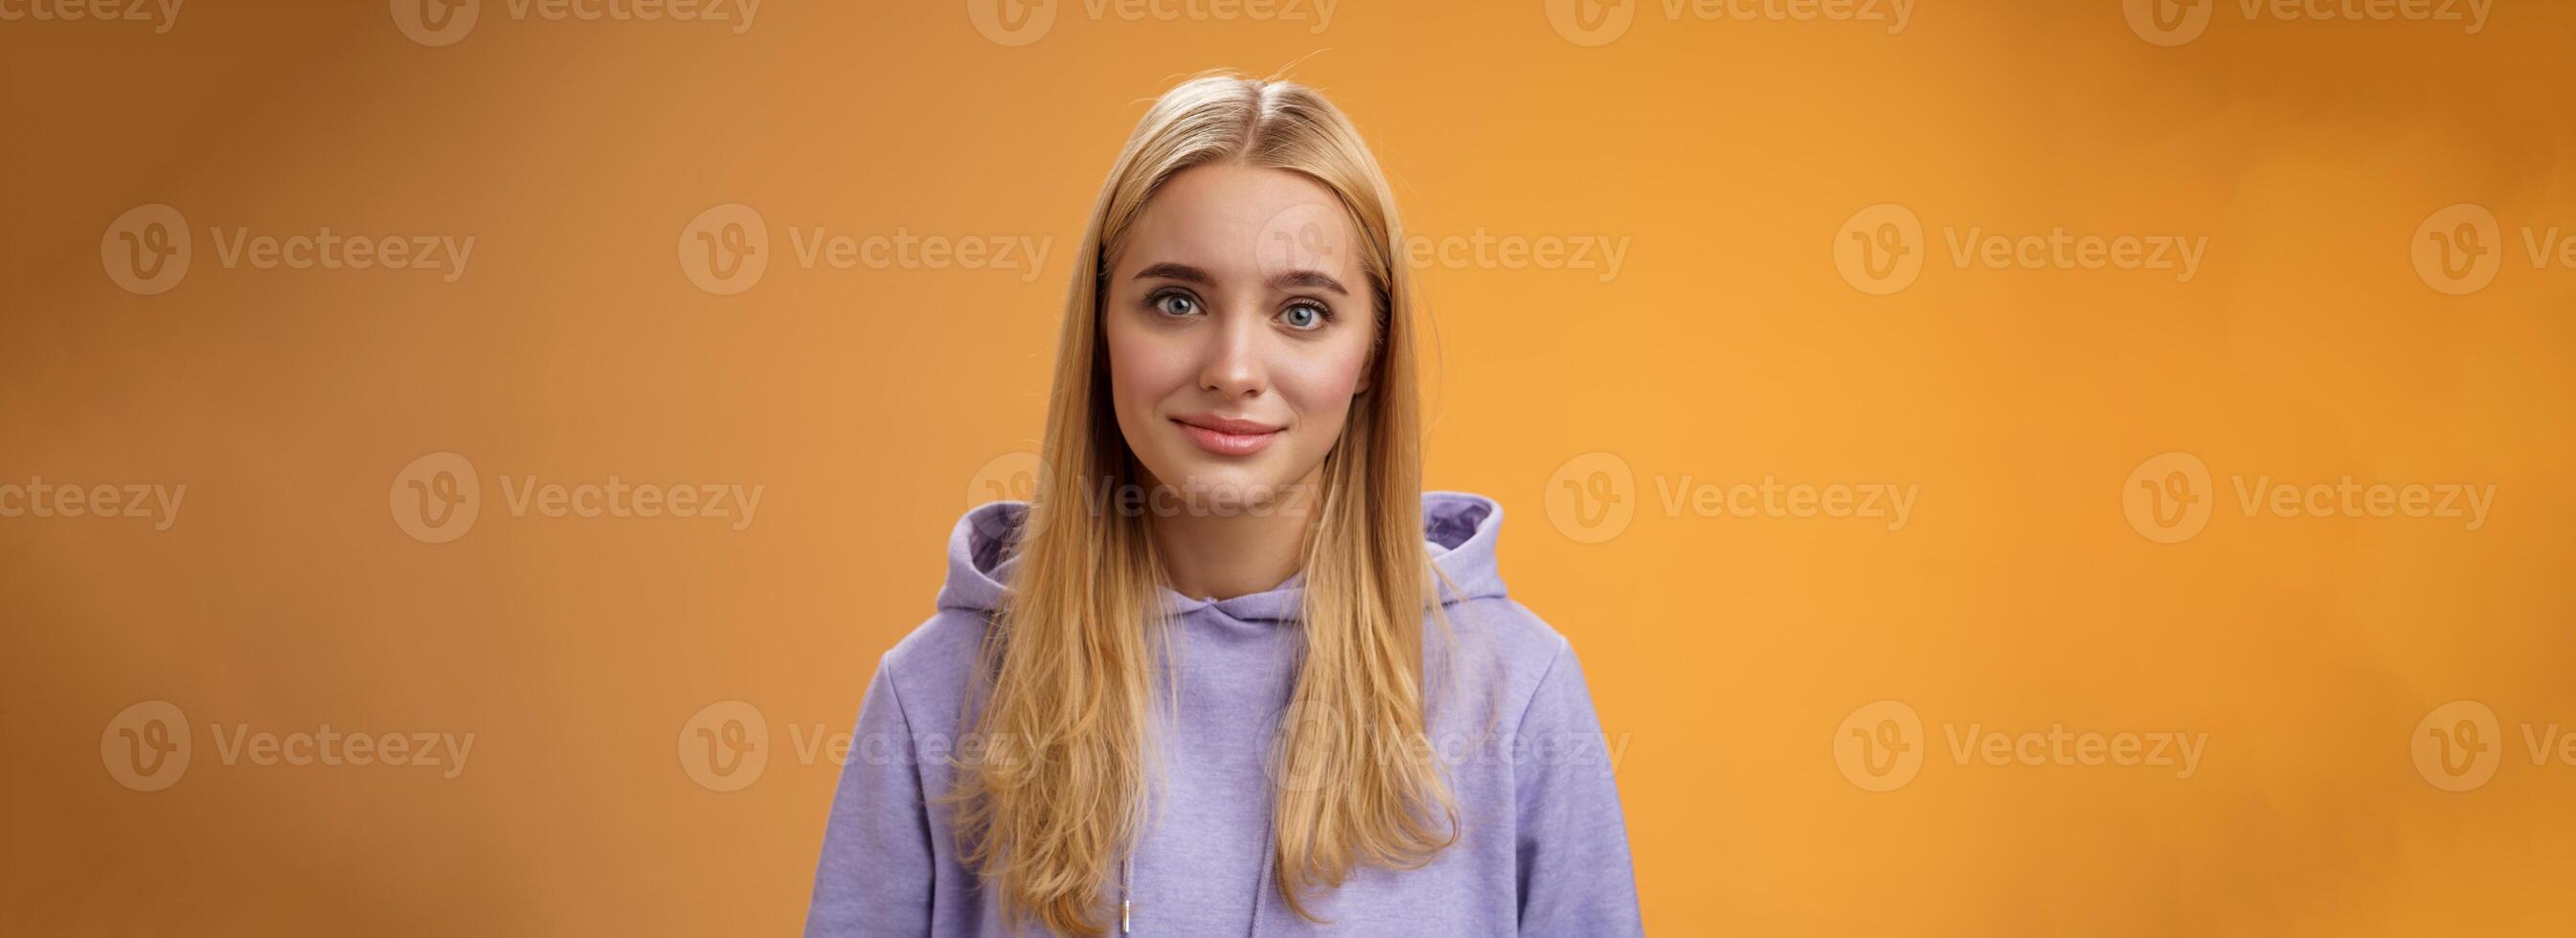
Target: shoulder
932,667
1514,646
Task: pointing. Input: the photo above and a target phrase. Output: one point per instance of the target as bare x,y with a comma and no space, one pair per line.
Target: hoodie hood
1458,529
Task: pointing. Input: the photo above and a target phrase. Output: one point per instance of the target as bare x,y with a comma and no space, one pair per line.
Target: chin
1203,479
1205,482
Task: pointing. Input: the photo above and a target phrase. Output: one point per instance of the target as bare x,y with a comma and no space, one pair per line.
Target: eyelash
1154,302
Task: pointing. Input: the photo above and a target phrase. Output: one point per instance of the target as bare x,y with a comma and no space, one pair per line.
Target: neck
1243,550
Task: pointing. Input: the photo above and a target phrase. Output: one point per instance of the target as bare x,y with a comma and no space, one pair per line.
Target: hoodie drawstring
1261,887
1126,872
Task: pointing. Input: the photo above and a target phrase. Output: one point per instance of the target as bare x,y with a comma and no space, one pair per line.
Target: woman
1086,737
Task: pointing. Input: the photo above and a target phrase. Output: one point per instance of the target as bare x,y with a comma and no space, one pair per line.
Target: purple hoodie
1543,847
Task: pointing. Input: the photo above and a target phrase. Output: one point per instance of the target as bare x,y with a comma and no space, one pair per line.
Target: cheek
1141,371
1323,384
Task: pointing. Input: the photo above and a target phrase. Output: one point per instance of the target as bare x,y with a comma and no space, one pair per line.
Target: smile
1227,437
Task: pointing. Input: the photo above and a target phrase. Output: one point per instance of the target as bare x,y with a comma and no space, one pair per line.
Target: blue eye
1175,304
1315,316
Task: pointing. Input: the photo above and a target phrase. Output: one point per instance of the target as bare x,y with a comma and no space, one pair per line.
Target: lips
1225,436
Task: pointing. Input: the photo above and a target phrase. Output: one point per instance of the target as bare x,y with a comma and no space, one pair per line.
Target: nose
1234,366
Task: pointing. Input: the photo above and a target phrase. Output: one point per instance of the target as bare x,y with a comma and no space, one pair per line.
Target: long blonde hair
1050,791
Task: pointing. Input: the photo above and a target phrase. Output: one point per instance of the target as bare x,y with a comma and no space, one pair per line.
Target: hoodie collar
1459,529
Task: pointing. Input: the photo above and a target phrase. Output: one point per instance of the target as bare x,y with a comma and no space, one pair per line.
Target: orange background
1722,651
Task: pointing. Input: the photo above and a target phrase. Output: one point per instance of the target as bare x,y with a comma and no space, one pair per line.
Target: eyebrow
1285,280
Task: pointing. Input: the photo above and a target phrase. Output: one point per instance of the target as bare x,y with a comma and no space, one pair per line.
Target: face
1239,327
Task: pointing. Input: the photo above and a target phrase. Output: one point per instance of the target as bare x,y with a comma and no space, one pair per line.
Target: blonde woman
1230,670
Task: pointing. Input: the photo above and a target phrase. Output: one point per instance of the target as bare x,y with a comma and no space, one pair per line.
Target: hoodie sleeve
1575,874
876,872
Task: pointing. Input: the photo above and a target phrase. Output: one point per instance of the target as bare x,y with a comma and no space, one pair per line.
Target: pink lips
1225,436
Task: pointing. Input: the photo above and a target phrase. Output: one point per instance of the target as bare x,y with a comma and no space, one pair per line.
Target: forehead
1238,221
